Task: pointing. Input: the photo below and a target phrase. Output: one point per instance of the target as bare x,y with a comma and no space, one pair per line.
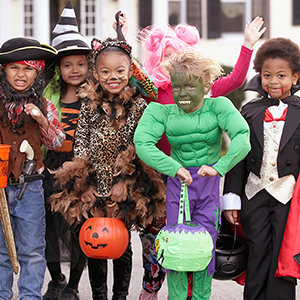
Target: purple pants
204,203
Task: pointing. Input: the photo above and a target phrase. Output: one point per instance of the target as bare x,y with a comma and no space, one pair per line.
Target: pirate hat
66,37
22,48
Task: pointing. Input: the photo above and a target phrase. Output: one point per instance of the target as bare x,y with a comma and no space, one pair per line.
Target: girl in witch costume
26,115
112,181
262,185
194,128
67,73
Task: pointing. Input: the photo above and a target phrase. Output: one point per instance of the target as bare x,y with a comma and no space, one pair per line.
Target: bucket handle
234,240
184,205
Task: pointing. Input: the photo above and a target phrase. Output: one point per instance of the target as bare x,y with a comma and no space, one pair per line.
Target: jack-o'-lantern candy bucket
103,238
186,246
4,156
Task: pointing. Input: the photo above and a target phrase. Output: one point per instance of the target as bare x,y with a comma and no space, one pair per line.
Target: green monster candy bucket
186,246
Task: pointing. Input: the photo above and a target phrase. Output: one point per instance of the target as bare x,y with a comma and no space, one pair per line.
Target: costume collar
255,85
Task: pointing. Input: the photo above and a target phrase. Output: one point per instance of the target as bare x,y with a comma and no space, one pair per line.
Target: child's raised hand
184,175
253,32
123,23
207,171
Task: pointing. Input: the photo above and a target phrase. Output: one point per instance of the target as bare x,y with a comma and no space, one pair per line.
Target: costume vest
32,134
280,188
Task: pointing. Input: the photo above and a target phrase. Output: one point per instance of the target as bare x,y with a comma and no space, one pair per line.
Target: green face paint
188,94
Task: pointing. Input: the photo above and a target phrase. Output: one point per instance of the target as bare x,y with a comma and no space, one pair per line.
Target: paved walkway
221,290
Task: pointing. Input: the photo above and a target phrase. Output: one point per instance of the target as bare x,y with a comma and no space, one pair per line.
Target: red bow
270,118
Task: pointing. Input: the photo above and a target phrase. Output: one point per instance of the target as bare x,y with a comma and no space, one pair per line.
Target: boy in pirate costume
70,70
25,115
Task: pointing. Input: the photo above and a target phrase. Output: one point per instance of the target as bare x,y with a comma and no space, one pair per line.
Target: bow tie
270,118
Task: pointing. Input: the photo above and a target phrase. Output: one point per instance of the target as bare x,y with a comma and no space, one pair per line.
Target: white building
221,22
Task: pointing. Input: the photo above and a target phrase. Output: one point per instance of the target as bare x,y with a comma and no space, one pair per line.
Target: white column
101,25
125,6
204,19
160,12
41,19
183,12
5,21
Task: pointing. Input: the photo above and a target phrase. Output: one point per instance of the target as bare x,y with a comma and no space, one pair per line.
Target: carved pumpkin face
103,238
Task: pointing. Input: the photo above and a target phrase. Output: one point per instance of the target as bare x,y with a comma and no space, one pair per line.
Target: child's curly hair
278,48
194,63
8,96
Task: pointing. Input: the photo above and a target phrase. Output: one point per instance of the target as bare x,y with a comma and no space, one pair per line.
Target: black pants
263,220
121,274
62,244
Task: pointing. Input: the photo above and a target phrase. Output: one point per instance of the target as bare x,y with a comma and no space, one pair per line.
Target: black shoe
69,294
55,289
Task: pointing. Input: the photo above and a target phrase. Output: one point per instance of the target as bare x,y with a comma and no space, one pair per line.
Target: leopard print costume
105,128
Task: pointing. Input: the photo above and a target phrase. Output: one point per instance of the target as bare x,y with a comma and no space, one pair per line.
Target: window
234,15
194,14
89,15
227,18
145,13
296,12
213,18
174,12
28,18
177,12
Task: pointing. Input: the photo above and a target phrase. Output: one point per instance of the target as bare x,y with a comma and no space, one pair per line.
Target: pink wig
155,40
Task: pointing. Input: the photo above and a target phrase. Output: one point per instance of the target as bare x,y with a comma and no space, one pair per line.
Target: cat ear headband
98,46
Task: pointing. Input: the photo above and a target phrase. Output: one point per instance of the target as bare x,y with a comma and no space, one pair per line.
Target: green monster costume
195,138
